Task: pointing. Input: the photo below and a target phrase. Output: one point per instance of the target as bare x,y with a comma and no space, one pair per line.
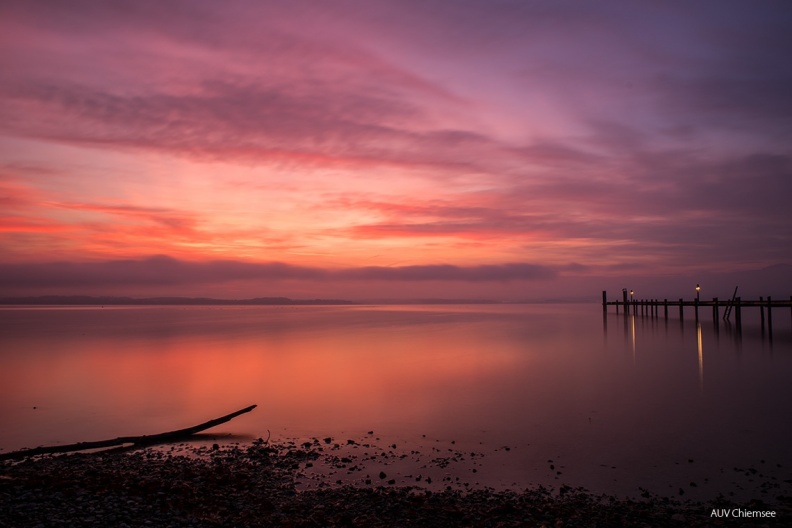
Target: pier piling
738,312
761,313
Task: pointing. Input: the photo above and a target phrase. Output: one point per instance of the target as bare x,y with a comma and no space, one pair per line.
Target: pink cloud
468,130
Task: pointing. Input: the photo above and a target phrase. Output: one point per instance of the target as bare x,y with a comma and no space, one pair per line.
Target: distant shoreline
85,300
88,300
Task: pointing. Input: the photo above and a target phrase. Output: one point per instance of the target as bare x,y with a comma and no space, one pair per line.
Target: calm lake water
543,394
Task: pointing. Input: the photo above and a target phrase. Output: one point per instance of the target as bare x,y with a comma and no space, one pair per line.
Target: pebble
257,486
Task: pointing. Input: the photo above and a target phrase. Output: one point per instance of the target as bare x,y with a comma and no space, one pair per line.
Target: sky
372,149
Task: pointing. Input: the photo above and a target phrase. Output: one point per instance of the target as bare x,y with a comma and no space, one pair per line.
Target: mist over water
611,402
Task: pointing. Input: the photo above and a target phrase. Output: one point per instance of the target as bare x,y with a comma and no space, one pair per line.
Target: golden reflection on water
700,356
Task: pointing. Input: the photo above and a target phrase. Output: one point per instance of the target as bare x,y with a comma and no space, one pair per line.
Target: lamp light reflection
700,357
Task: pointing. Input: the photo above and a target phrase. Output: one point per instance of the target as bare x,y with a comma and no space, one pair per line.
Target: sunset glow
378,149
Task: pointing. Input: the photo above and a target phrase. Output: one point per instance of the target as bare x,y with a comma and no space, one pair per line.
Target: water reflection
631,319
700,356
642,331
717,328
538,378
417,369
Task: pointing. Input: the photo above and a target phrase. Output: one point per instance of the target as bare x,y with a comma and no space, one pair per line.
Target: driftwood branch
170,436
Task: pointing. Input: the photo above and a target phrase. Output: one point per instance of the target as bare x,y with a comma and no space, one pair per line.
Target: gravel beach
258,485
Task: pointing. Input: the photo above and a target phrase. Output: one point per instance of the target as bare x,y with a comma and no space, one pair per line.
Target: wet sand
320,482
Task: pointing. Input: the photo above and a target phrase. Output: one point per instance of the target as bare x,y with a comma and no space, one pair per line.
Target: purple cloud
166,271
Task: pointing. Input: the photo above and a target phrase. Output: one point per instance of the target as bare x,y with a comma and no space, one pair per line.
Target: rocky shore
258,485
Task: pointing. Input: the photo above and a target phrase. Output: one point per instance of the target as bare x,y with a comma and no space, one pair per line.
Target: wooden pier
735,306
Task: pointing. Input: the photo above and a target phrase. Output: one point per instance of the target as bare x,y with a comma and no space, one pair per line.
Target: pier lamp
698,292
631,294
